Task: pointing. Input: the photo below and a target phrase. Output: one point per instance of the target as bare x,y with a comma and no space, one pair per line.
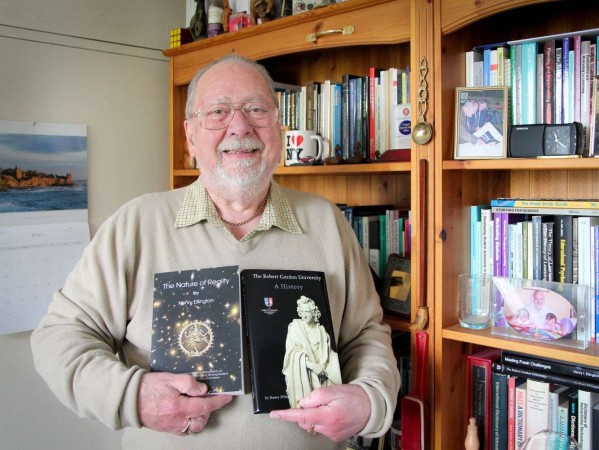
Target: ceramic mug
302,147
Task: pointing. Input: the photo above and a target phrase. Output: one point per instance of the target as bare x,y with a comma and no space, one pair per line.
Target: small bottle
472,442
215,20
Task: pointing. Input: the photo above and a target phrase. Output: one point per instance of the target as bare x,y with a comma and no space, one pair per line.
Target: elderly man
93,346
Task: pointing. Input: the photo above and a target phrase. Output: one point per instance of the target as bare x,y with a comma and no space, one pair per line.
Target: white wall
98,63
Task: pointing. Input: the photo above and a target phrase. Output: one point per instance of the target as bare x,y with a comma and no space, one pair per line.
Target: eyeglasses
219,115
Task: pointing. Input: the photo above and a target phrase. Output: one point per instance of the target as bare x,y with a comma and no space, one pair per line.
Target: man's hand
338,412
166,402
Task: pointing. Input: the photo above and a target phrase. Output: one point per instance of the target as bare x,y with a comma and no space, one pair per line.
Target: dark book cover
575,382
550,366
196,327
290,355
573,415
595,420
562,249
478,389
499,411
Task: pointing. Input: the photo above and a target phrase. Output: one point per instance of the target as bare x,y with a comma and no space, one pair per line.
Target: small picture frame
397,286
481,117
542,311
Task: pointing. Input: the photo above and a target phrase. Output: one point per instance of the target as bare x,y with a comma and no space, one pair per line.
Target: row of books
381,231
513,396
551,78
550,240
360,117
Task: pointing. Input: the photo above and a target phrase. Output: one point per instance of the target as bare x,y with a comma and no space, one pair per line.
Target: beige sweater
94,344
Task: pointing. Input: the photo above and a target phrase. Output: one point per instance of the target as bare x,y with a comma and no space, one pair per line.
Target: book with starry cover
196,327
288,357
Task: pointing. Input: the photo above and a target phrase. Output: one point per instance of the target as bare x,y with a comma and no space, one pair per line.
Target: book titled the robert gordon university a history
196,327
292,347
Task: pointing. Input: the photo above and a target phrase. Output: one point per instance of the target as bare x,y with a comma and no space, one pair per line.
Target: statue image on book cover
310,362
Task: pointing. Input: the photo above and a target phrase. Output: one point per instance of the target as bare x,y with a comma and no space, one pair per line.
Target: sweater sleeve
366,354
76,345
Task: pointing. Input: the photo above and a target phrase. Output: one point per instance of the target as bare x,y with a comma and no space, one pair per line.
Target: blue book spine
487,67
565,78
529,82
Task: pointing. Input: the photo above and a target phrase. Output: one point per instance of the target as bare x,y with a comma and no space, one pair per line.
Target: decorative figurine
261,11
197,26
472,442
227,11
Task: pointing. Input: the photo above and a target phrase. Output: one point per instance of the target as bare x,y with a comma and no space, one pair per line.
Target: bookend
542,311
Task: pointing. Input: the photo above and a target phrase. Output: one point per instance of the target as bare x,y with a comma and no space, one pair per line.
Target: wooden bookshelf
459,184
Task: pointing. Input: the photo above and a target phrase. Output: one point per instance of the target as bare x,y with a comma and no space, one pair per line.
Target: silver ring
185,431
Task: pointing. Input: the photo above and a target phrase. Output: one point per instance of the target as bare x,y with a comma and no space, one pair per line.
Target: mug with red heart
302,147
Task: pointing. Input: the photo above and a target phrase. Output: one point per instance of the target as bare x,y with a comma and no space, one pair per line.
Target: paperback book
196,327
291,342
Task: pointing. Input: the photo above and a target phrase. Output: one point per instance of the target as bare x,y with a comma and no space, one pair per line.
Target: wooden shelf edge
461,19
523,164
587,357
345,169
284,22
333,169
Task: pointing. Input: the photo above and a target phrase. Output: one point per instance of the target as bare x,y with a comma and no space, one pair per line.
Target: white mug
302,147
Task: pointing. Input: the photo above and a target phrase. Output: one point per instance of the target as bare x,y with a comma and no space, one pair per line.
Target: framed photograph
396,287
542,311
481,122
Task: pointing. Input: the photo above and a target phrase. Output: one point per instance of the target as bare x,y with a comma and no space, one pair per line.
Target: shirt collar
197,206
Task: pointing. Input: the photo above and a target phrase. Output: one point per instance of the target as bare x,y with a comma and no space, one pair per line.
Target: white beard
246,178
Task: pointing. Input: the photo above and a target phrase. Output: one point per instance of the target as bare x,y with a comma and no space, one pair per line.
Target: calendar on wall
43,215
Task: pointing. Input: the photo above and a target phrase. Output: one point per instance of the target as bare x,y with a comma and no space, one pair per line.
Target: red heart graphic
297,140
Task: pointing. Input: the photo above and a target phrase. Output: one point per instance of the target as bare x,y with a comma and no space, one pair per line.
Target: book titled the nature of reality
196,327
289,355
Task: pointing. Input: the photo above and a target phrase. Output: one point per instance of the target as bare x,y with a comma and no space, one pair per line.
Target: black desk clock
526,141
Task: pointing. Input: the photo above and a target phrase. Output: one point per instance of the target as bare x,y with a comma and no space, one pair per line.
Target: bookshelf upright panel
462,25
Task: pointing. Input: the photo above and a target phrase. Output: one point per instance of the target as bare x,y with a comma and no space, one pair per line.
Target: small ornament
472,442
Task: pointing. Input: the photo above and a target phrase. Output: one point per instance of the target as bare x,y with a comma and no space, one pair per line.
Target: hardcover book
550,365
291,343
479,388
196,327
499,411
537,406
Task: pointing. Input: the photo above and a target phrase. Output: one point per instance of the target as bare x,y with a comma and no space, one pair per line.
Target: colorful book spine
520,414
567,99
559,88
546,203
576,40
513,383
529,82
549,80
515,87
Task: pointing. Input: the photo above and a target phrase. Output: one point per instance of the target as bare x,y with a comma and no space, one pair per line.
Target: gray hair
230,57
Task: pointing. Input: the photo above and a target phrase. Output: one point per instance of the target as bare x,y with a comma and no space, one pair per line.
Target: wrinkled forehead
232,82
